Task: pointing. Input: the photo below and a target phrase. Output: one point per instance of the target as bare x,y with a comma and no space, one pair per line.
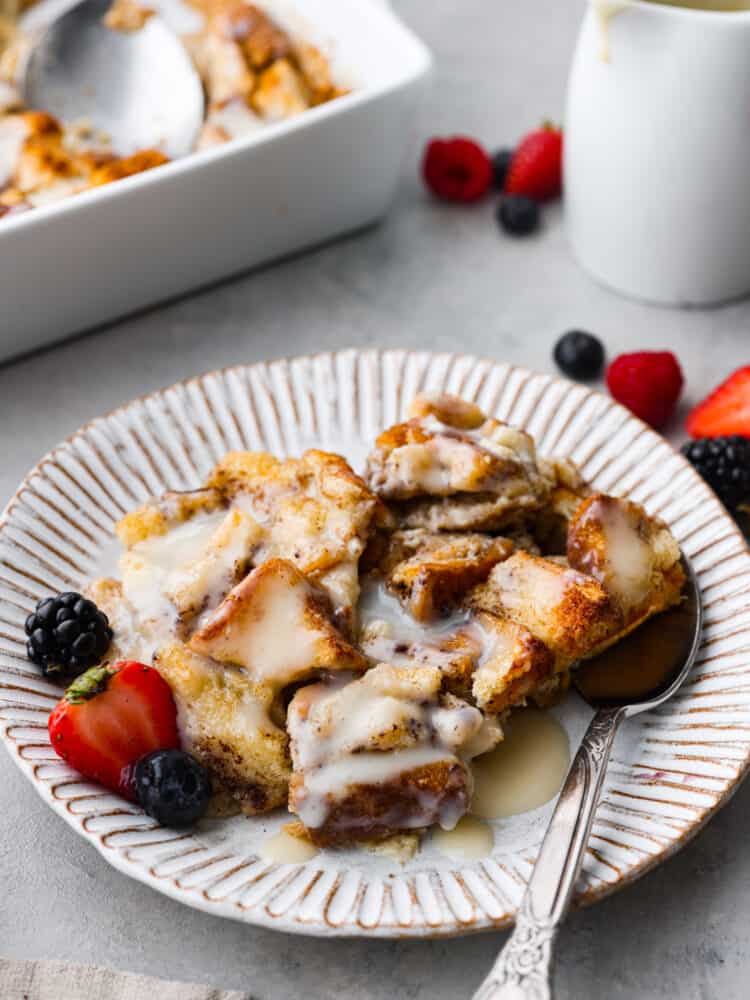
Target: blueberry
500,164
518,214
173,787
579,355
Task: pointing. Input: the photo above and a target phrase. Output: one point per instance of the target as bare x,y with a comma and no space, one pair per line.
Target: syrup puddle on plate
524,772
471,838
284,849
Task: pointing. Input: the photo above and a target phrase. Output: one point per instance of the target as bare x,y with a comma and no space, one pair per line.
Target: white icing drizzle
151,566
376,729
624,561
382,616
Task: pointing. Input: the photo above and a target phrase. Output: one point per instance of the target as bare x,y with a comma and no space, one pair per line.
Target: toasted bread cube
411,461
383,754
316,511
446,449
316,71
455,655
468,512
127,166
281,92
127,16
203,582
513,665
430,573
569,612
126,643
169,578
276,625
157,517
223,718
449,410
633,556
261,40
222,67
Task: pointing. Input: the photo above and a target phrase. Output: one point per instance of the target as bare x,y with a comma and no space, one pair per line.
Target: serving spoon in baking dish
136,84
640,673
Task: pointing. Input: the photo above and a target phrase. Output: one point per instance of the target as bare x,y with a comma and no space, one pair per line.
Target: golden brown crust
449,410
224,721
127,16
157,517
571,613
316,511
128,166
515,665
430,573
633,555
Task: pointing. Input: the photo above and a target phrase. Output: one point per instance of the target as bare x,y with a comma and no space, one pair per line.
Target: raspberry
457,169
648,383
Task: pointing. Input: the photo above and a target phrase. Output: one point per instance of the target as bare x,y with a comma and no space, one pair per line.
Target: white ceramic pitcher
657,151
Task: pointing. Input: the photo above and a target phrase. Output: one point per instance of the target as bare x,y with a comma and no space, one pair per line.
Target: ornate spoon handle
523,968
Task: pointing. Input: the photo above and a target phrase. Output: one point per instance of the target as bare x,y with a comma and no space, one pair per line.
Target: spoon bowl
636,675
138,87
645,668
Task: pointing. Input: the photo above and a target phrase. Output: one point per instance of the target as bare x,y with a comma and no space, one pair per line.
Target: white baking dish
93,257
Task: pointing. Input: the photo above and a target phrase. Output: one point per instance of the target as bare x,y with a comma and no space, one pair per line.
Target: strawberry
456,169
536,168
649,383
726,411
109,718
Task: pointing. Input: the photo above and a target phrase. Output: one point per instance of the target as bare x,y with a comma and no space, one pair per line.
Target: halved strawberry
536,168
110,717
725,411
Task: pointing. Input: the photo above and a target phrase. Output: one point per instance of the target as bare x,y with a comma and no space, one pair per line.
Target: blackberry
579,355
66,635
172,786
724,462
517,214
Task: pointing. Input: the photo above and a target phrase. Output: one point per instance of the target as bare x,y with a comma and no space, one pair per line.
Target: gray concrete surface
431,276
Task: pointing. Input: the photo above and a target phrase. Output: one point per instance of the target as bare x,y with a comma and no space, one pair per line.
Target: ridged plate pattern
670,772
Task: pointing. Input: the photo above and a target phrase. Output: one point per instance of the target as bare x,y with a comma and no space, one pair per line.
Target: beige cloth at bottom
64,981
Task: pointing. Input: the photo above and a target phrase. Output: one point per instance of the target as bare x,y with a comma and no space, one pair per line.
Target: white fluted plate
672,769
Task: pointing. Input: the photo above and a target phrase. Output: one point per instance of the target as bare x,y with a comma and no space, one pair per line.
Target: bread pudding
347,645
253,73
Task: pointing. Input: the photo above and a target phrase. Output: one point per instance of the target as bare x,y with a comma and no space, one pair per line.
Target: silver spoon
139,87
523,968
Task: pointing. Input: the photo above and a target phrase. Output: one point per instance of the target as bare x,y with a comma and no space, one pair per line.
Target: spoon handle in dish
523,968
